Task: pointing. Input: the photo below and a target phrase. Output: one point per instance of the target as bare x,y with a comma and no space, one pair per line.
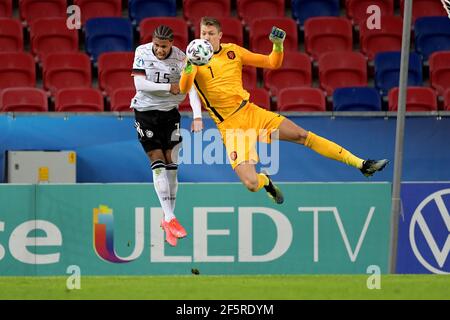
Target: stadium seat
249,10
23,100
326,34
432,34
356,99
17,69
79,100
388,38
447,100
260,97
295,72
387,70
50,35
140,9
108,34
231,29
304,9
440,71
31,10
11,35
342,69
301,99
260,30
424,8
66,70
6,8
178,25
114,71
249,77
194,10
357,9
417,99
99,8
121,99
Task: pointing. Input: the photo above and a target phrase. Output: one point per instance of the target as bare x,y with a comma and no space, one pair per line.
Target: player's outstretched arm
272,61
187,77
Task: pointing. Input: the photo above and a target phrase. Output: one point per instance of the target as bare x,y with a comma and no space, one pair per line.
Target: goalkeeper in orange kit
241,122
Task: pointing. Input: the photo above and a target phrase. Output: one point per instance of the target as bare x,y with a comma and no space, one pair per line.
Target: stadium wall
108,151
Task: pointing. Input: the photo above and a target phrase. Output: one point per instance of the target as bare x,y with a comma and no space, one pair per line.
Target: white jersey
158,71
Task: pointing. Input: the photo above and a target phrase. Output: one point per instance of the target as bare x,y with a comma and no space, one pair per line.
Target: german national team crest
233,156
231,55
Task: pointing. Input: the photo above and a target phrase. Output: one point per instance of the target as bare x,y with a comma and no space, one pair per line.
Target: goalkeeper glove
277,37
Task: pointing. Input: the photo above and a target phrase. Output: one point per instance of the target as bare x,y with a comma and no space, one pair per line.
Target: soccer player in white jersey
156,70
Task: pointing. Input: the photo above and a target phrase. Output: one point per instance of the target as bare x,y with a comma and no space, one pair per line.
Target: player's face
211,34
161,48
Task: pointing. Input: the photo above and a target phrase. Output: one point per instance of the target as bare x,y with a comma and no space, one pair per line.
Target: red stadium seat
301,99
114,71
447,100
325,34
342,69
50,35
79,100
17,69
31,10
250,10
260,30
23,100
6,8
357,9
260,97
231,29
424,8
99,8
249,77
440,71
388,38
295,72
121,99
178,25
417,99
11,35
67,70
194,10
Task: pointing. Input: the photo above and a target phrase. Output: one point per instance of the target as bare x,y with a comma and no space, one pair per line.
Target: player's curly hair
163,32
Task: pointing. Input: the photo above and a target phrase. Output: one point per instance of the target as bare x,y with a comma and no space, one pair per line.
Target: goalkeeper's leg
289,131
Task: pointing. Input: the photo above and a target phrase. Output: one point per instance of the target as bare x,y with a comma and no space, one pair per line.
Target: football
199,52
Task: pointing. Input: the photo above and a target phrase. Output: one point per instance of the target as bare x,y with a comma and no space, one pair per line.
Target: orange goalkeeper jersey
219,83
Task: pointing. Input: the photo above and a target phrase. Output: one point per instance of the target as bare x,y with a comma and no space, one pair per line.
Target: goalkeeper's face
212,34
161,48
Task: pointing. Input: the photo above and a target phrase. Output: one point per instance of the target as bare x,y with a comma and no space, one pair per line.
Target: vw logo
418,221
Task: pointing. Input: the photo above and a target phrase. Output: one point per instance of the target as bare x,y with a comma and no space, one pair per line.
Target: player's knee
300,136
251,184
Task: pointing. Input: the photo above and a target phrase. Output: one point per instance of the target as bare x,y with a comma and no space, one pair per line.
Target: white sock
162,188
172,172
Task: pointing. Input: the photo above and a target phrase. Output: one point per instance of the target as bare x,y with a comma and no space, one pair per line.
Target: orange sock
262,181
332,150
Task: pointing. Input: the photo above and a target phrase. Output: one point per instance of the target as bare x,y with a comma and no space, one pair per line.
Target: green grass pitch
202,287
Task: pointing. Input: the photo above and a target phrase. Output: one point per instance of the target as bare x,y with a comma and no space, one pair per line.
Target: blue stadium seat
432,34
140,9
108,34
387,70
356,99
304,9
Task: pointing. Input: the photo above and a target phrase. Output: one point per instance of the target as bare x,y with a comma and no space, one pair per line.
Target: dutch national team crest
231,55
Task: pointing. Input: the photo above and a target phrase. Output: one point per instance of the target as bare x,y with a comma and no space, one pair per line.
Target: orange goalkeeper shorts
242,130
